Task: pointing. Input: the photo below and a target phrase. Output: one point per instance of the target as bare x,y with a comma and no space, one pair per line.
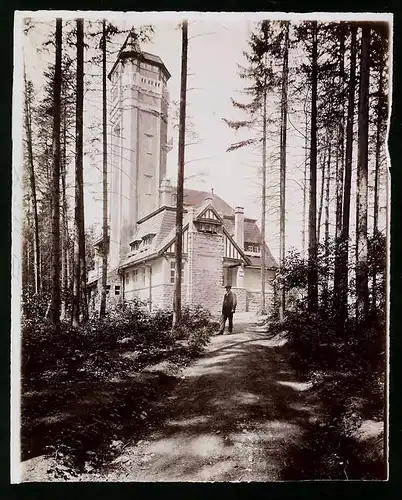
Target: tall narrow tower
139,145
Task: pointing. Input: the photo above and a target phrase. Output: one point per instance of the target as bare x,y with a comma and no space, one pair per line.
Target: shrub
196,326
91,351
198,339
196,317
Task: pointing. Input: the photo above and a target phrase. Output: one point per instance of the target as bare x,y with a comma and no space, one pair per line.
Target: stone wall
162,296
205,257
253,301
241,298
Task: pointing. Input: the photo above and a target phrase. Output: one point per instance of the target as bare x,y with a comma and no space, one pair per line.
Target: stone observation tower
139,144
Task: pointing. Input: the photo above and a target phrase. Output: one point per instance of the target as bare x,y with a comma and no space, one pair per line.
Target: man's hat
228,286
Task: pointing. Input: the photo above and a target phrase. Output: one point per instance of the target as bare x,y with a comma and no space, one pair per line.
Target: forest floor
236,414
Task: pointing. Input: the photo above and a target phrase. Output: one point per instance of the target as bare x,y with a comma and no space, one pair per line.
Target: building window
252,247
135,245
117,289
147,240
135,275
144,275
107,289
173,272
207,228
128,278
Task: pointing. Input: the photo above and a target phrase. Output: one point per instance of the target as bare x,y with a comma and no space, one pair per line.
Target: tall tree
340,295
263,195
55,300
104,181
341,136
305,186
321,204
283,147
32,180
312,278
340,165
64,218
380,130
68,149
326,228
260,75
79,249
180,176
362,295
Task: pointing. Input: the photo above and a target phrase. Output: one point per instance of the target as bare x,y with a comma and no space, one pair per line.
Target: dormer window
135,245
148,239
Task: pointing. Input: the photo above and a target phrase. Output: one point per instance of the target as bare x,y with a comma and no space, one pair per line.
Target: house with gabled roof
220,245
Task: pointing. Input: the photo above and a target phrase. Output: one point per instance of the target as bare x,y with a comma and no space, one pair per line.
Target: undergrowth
347,372
84,392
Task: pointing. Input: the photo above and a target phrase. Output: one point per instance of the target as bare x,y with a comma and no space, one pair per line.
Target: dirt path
232,417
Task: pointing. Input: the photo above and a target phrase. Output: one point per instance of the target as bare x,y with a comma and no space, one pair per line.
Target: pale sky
216,45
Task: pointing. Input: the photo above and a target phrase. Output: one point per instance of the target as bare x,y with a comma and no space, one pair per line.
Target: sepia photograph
200,246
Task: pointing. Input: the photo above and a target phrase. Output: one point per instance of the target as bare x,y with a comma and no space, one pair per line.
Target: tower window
148,143
148,184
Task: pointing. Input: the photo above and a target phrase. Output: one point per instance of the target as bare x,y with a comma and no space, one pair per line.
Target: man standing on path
228,308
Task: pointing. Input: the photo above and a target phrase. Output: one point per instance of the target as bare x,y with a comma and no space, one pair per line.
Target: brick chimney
239,227
165,193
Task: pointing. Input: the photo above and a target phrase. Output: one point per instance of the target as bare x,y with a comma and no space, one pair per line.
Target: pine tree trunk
341,292
25,277
323,167
377,173
104,184
283,146
180,177
65,240
326,226
312,250
28,265
305,189
362,295
32,180
341,140
55,300
79,247
263,199
340,168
